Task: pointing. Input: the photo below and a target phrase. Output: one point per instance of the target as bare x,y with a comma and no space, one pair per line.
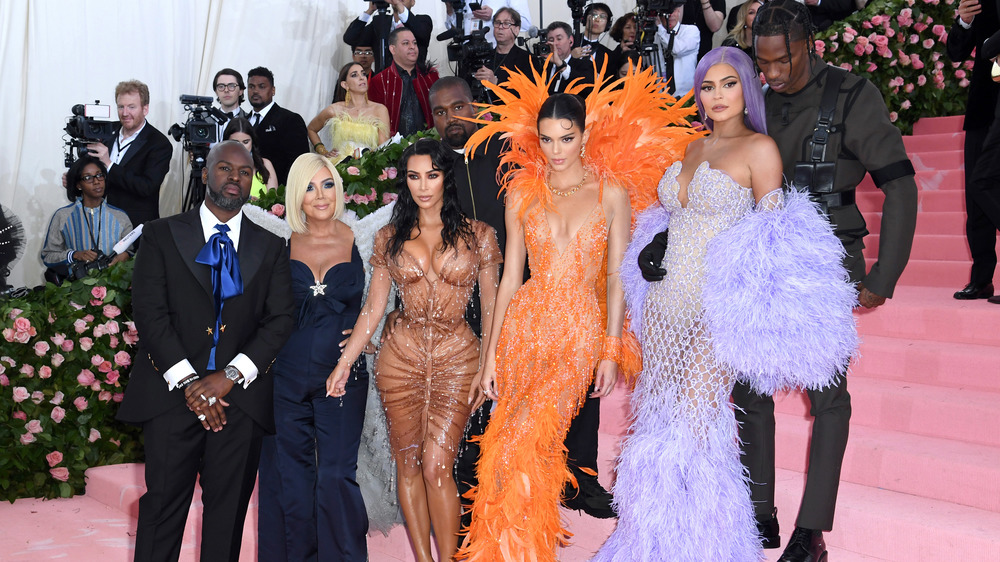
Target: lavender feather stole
648,224
778,300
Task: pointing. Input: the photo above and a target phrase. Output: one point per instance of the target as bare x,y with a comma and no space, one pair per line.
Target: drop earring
746,111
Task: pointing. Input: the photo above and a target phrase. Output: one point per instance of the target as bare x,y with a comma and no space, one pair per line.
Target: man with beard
281,134
480,198
210,295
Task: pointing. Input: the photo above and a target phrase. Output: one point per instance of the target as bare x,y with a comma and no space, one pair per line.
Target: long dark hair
241,125
75,175
564,106
405,214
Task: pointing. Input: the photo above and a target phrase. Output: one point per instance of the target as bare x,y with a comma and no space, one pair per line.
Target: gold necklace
567,192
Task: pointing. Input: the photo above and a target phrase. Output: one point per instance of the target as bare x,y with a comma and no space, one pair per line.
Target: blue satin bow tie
220,254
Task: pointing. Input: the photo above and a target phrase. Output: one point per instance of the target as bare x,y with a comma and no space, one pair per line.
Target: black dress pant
180,451
982,199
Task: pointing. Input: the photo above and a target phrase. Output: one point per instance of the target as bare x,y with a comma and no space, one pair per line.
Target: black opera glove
651,258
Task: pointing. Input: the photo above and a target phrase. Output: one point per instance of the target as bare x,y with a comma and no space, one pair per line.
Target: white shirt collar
209,220
263,112
121,132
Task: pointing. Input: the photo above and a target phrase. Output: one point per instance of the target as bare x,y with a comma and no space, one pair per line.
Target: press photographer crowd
116,168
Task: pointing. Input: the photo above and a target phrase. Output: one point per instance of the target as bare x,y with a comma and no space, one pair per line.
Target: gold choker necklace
569,191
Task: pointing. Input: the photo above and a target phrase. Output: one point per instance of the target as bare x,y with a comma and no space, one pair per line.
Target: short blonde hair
133,87
302,172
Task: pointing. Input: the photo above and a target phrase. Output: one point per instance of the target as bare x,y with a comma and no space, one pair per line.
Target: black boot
590,497
767,530
805,545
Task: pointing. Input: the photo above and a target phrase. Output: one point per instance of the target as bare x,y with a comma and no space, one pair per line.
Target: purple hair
753,96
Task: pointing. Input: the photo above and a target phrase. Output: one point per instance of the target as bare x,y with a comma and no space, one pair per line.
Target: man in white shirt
678,50
137,157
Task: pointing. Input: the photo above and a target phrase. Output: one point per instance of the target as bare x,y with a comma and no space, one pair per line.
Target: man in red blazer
404,86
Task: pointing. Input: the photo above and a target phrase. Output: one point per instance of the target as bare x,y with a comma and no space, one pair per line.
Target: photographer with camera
565,67
374,29
82,235
597,18
507,56
137,158
477,14
678,43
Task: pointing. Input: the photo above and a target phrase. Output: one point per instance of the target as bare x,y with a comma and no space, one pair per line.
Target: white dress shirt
686,45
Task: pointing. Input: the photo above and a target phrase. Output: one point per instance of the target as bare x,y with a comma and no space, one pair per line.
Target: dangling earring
347,98
583,151
746,111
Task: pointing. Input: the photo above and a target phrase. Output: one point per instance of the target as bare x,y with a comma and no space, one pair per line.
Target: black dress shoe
974,291
767,530
590,497
805,545
994,300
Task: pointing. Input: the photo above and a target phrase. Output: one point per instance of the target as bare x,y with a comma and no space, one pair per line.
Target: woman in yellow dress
352,123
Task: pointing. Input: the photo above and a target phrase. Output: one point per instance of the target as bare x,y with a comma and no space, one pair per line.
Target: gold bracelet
318,146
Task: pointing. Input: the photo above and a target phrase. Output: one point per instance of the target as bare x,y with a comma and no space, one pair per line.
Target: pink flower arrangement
60,473
21,332
58,414
277,210
54,458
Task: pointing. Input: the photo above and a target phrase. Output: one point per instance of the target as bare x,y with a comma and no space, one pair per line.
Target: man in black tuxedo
369,29
976,21
137,157
211,318
281,133
566,68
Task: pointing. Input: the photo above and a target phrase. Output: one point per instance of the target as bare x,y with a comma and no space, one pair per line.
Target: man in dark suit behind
211,318
281,133
137,157
369,29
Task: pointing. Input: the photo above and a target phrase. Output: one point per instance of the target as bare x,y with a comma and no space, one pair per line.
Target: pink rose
52,318
908,88
85,378
57,359
22,324
67,345
905,104
820,47
96,386
57,398
834,46
104,396
58,414
846,66
278,210
19,415
487,117
45,371
959,74
34,426
866,25
914,39
920,27
27,371
905,17
388,198
80,402
921,80
94,435
61,473
99,292
8,360
893,116
105,367
27,438
76,306
848,36
928,43
54,458
111,327
112,378
15,312
113,341
96,360
880,40
131,337
58,339
118,397
4,381
86,343
391,172
353,170
80,326
21,394
872,67
37,396
884,52
88,318
111,311
8,334
939,30
859,49
23,337
964,83
123,359
916,62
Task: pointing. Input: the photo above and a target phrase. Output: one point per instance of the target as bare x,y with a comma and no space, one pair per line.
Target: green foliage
66,354
899,45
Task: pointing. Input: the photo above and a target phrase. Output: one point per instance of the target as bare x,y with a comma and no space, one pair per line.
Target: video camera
199,132
648,13
471,51
90,123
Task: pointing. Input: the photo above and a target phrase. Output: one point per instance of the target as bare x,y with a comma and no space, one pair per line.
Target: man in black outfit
369,29
986,180
565,67
211,300
708,16
281,133
597,20
976,21
507,57
137,157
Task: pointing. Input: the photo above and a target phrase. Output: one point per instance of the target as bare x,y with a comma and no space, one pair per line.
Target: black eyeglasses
598,16
504,24
91,179
226,87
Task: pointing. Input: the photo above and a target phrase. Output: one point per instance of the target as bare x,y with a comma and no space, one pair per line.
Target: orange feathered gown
554,330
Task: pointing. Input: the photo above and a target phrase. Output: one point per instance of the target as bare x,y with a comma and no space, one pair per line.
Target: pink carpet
921,479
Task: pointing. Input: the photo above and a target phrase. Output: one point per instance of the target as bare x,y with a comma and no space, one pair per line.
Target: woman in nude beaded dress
426,366
681,492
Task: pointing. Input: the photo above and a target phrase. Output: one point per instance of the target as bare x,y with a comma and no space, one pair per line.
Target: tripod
195,192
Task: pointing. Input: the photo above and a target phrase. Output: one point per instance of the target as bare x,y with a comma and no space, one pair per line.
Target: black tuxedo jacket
282,138
983,91
134,185
376,34
174,308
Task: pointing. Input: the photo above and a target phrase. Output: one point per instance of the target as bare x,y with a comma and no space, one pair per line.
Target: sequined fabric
547,351
424,370
680,490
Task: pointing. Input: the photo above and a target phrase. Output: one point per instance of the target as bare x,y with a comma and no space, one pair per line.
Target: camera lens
200,133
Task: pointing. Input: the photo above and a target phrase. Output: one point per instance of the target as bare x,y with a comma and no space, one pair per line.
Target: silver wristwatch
233,374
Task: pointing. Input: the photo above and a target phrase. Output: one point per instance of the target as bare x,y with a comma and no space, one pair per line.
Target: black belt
832,200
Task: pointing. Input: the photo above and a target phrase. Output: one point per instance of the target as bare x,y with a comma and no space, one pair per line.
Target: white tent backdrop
57,53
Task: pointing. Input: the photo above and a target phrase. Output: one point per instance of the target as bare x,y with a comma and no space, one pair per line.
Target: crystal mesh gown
424,369
680,490
547,351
